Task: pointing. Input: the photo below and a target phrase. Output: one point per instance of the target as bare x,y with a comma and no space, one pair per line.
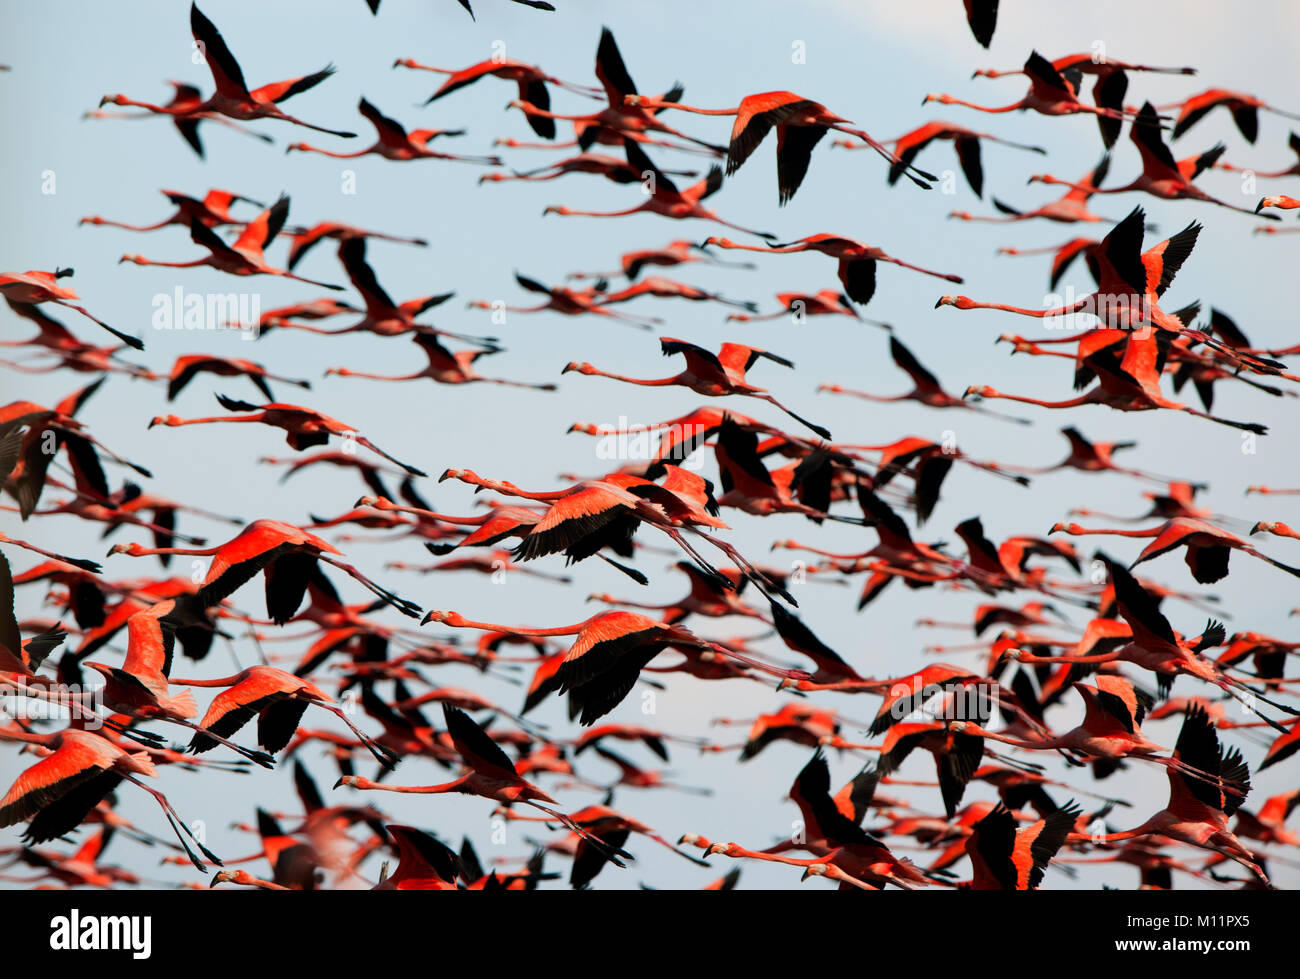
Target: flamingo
212,211
965,141
709,374
1198,811
58,792
304,426
1004,858
288,556
1245,111
244,256
609,652
444,367
1162,176
186,109
800,124
395,143
610,167
302,240
278,700
190,366
491,775
619,118
857,262
926,388
663,196
566,301
34,287
1070,208
680,252
827,302
1050,93
233,98
1208,547
530,80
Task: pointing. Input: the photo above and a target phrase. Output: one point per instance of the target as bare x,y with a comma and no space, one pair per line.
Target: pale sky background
869,61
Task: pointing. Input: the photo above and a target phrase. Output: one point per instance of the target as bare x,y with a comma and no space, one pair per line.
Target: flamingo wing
225,69
480,752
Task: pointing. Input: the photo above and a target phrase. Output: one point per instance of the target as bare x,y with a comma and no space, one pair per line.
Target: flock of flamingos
113,725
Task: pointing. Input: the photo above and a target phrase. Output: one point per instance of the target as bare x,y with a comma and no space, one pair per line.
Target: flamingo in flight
244,256
190,366
35,287
620,118
663,196
444,367
186,111
1107,91
609,651
712,375
287,554
233,98
1244,108
491,775
800,125
965,141
212,211
1198,810
305,427
857,262
566,301
1162,176
303,240
395,143
1051,93
530,79
926,388
59,791
1072,207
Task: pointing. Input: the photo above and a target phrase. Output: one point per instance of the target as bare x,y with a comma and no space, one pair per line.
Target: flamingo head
493,177
586,428
338,371
580,366
601,596
832,388
133,549
961,302
1270,527
231,876
405,63
714,240
464,475
1065,528
979,391
374,501
133,259
561,210
724,848
816,870
296,146
112,100
94,219
168,420
1042,178
941,99
446,618
352,781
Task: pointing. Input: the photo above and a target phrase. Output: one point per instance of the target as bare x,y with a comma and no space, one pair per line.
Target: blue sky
871,62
